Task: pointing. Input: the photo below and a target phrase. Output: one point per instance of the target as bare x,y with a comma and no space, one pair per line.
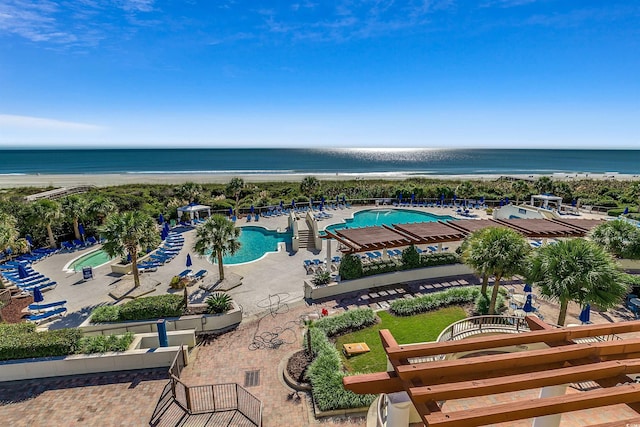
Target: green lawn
406,330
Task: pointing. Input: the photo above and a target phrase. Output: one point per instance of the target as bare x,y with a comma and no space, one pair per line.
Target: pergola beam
535,407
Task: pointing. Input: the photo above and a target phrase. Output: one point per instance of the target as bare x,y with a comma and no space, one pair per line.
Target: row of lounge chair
30,282
171,247
197,276
313,266
78,244
43,312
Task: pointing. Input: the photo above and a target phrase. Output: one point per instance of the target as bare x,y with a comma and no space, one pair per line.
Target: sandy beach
106,180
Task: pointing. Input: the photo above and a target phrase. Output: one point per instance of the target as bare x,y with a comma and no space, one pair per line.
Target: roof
571,354
431,232
193,208
541,228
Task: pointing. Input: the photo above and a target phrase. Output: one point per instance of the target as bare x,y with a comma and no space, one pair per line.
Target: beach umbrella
311,202
22,272
293,203
189,263
281,204
37,295
501,202
337,199
166,227
527,288
163,234
573,203
413,198
81,230
400,197
585,314
160,219
322,203
29,240
626,210
482,199
527,307
251,209
506,200
230,211
344,199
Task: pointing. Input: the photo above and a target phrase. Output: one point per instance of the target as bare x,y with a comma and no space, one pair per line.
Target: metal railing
483,324
212,397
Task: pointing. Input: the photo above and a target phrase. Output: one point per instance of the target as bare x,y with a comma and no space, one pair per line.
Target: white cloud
14,122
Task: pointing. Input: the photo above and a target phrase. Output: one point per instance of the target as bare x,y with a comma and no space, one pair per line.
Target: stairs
306,240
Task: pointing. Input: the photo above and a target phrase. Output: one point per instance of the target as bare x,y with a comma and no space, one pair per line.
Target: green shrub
350,267
18,341
379,267
348,321
443,258
148,308
106,313
103,344
325,374
408,307
410,257
321,278
218,303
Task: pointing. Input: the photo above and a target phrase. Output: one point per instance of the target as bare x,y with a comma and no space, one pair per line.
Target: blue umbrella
442,197
527,288
506,200
293,203
311,201
344,199
585,314
482,199
281,204
413,198
8,251
22,272
37,295
81,230
160,219
322,203
189,263
166,227
400,197
338,199
251,209
230,211
29,240
163,234
527,307
626,210
573,202
501,202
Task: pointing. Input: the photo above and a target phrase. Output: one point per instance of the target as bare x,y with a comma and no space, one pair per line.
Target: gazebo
543,201
193,210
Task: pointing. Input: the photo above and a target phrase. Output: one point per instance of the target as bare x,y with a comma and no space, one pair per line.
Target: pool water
255,243
92,259
373,217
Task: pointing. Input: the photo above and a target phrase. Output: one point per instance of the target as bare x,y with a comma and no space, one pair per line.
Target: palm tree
476,254
577,270
309,185
544,184
101,207
520,188
217,237
126,233
619,237
189,191
8,235
235,187
45,213
500,252
75,208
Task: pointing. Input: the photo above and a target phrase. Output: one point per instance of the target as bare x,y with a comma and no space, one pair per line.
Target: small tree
350,267
309,185
219,303
410,257
235,187
618,237
544,184
189,192
520,189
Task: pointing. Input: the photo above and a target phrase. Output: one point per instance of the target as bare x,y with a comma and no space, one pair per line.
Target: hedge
433,301
20,341
378,267
105,343
326,370
147,308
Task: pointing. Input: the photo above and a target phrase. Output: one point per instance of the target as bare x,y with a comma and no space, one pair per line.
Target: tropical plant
465,190
8,236
235,187
189,191
309,185
496,251
216,237
520,189
321,278
618,237
101,207
75,209
45,213
544,184
577,270
219,303
126,233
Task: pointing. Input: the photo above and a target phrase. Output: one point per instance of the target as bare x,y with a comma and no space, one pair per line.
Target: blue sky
343,73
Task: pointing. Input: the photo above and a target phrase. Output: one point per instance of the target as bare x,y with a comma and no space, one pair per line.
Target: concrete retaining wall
313,292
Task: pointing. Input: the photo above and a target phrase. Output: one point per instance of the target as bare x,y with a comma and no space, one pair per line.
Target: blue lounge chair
43,287
248,218
77,243
185,273
257,217
308,266
37,308
67,245
47,315
200,274
91,240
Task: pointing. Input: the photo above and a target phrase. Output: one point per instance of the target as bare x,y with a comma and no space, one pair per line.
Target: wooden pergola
569,357
541,228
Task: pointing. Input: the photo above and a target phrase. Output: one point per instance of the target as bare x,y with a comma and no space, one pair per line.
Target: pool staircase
307,240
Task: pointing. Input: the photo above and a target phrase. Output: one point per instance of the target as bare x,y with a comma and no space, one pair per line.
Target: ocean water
318,161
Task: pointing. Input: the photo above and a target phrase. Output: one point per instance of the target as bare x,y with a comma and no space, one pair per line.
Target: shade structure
189,263
442,197
528,307
8,251
81,229
585,314
527,288
160,219
322,204
37,295
311,201
22,272
251,209
337,198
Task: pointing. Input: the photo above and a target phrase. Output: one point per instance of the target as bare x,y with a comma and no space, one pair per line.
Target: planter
289,381
630,264
313,292
200,323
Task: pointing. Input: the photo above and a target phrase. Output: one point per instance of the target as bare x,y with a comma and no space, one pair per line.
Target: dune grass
412,329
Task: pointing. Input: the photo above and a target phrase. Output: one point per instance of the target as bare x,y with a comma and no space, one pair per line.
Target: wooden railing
212,397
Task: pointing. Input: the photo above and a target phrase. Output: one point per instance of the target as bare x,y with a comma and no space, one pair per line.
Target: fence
212,397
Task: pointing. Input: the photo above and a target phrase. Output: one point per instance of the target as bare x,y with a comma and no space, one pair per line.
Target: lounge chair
47,315
91,240
248,218
67,245
37,308
200,274
43,286
257,217
185,273
77,243
309,266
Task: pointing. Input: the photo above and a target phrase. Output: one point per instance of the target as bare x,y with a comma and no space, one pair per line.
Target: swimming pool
373,217
93,259
255,243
